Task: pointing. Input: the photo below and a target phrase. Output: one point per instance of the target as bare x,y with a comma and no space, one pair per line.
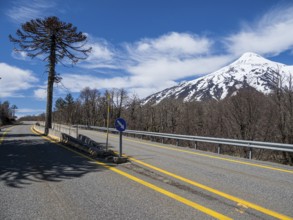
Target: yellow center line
217,192
169,194
51,139
4,134
149,185
210,156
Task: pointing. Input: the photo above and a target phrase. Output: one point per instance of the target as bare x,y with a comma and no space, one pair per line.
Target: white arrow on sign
121,125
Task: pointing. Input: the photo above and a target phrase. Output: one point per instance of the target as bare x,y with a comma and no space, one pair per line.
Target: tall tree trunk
51,78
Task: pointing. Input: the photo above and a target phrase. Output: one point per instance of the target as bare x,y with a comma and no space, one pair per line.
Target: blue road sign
120,124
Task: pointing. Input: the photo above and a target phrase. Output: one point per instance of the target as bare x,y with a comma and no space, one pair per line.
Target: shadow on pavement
30,160
20,135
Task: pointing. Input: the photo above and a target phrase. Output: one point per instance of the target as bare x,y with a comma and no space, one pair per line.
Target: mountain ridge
250,70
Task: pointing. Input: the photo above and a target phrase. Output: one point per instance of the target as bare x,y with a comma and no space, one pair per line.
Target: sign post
120,125
108,119
120,143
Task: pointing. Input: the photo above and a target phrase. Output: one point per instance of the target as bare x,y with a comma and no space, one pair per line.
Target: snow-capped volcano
250,70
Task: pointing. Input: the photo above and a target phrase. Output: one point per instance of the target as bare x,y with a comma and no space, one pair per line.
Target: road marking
241,208
147,184
169,194
211,156
51,137
217,192
4,134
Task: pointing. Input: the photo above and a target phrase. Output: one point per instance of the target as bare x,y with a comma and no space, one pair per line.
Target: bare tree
90,99
119,100
56,40
283,100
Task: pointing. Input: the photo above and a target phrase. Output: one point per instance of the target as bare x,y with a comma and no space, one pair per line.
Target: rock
119,160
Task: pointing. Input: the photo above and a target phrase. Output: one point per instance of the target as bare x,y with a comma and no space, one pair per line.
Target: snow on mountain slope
250,70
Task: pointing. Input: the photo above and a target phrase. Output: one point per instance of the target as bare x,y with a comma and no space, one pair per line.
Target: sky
143,46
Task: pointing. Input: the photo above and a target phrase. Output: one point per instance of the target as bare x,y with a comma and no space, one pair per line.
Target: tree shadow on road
31,160
20,135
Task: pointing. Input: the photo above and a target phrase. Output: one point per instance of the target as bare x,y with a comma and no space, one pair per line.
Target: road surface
40,179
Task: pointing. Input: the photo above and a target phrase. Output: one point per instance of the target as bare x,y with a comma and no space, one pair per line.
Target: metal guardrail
195,139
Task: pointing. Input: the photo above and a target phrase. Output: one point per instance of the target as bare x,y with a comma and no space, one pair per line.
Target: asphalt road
267,185
44,180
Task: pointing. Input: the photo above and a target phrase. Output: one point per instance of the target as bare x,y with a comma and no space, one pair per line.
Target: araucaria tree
52,40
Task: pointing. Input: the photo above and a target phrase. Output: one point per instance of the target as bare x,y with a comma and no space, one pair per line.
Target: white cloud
19,55
77,82
40,94
175,43
156,71
171,45
100,57
182,43
271,35
148,65
136,85
14,80
159,63
103,54
23,11
100,51
27,111
147,78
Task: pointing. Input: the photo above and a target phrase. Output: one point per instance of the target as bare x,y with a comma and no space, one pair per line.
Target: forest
248,115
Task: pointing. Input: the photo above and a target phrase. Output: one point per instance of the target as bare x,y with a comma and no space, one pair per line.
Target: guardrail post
162,140
195,145
177,142
250,153
219,148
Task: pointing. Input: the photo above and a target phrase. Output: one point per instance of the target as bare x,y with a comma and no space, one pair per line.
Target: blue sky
143,46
